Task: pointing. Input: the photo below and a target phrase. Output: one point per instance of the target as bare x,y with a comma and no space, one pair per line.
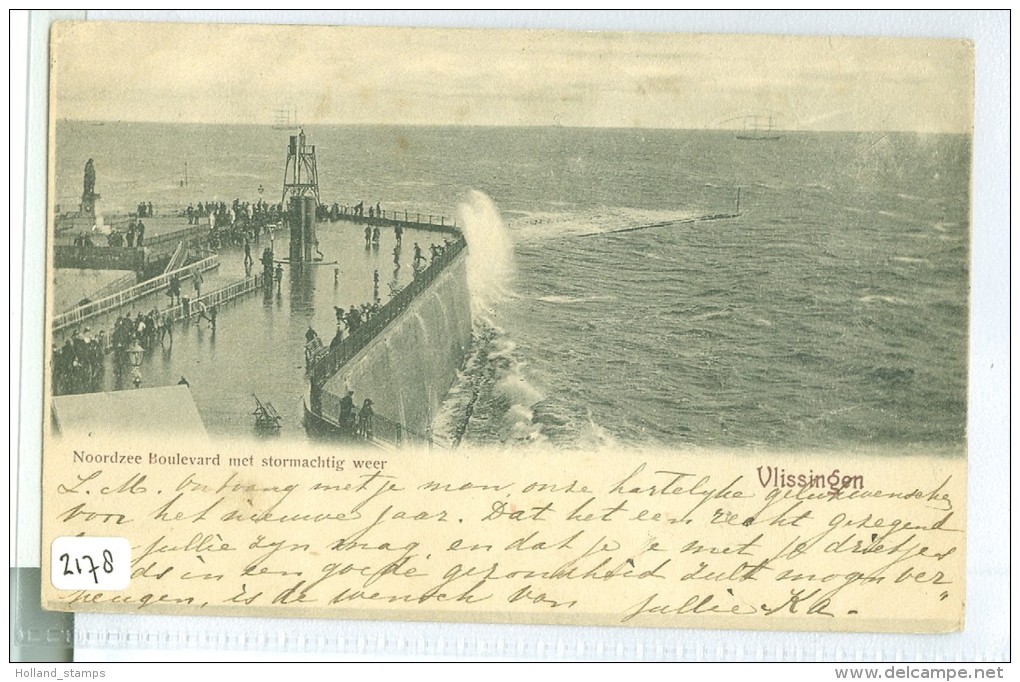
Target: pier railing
383,430
103,305
218,297
213,298
186,235
331,362
405,219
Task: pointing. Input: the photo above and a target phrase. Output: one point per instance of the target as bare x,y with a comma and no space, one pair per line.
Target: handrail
331,362
435,222
113,301
230,291
180,235
217,297
383,429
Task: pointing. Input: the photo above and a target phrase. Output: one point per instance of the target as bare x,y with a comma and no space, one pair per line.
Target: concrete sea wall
408,368
98,257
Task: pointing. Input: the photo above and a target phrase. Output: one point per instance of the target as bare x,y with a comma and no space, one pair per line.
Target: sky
216,73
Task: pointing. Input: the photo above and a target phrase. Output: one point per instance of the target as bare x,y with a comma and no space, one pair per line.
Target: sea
831,313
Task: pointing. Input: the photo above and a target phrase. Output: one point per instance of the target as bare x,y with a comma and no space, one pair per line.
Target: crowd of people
355,316
435,251
348,321
146,329
219,214
239,222
78,365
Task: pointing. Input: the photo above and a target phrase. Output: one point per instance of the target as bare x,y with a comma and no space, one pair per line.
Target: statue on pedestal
90,178
88,195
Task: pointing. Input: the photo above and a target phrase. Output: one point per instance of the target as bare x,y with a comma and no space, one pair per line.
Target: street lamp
135,353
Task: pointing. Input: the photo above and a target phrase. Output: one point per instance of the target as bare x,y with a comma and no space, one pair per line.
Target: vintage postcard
644,330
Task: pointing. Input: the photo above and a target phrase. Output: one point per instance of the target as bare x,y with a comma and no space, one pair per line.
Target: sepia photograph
530,327
510,239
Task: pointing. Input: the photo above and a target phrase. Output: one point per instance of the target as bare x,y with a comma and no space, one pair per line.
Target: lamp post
135,353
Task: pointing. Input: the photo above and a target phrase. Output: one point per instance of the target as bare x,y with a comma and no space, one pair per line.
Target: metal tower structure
300,177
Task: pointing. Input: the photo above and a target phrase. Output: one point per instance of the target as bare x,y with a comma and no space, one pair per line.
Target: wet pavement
257,346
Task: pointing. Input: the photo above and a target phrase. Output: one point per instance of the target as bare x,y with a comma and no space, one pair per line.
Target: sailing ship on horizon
285,119
759,127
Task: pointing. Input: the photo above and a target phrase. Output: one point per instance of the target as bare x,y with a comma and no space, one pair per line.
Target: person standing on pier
205,313
378,210
375,286
197,280
347,412
131,234
248,260
140,229
267,268
365,419
166,328
174,289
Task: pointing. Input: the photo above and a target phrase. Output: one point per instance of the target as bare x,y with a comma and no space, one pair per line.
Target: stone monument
88,195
